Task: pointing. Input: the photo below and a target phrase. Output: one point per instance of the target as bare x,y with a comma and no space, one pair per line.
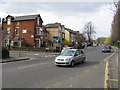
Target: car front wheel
72,63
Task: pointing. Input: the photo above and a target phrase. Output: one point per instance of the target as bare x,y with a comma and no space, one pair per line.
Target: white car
70,57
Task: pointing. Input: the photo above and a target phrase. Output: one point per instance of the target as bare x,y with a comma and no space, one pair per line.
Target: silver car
70,57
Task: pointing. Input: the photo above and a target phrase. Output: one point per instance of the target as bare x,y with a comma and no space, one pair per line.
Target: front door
37,43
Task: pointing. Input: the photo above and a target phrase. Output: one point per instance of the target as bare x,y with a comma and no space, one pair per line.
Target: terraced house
24,31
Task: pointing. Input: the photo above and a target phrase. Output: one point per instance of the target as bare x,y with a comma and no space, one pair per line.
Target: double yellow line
107,73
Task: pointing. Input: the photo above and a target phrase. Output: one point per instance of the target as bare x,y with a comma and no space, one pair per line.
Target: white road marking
117,61
70,85
36,54
32,65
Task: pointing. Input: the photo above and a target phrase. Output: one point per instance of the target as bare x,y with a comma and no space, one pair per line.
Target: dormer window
8,21
38,20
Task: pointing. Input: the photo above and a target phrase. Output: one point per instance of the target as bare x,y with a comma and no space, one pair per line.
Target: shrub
66,42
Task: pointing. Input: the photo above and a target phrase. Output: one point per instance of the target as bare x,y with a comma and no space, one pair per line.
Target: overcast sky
73,15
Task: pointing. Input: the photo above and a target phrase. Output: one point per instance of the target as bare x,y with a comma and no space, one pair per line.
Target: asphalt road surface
41,72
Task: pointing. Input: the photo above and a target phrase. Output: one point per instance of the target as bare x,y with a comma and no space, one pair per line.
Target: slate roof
27,17
54,25
23,18
76,32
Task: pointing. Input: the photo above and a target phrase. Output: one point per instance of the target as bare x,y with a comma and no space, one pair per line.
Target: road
41,72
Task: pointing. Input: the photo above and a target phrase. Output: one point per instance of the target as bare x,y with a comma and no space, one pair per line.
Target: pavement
13,59
18,57
113,71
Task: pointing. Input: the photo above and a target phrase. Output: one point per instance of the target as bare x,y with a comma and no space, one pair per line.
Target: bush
65,42
5,52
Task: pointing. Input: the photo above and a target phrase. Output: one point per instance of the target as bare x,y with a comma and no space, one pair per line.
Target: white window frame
38,20
17,32
8,31
8,21
18,23
24,31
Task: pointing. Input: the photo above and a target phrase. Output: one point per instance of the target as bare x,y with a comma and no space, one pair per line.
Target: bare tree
113,6
89,31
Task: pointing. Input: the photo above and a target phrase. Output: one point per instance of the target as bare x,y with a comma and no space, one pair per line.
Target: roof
23,18
53,25
27,17
76,32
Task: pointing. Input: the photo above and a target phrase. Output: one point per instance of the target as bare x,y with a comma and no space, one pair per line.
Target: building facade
56,34
67,34
23,31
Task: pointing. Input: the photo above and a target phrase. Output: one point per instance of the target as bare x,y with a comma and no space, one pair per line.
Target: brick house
23,31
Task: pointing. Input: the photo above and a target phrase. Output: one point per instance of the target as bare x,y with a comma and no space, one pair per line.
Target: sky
73,15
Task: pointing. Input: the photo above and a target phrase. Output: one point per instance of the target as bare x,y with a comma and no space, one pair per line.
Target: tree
113,6
66,42
89,31
115,26
101,40
108,40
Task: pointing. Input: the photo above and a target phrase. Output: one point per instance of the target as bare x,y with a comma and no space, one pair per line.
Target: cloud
65,7
73,15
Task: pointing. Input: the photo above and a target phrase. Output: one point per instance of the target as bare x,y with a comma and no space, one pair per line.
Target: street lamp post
19,48
20,44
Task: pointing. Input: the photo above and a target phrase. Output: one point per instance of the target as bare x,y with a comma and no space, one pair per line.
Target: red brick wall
30,27
4,31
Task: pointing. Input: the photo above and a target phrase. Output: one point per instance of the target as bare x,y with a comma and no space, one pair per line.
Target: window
8,21
68,53
38,20
17,31
38,31
77,53
59,34
63,35
24,31
6,42
8,31
17,23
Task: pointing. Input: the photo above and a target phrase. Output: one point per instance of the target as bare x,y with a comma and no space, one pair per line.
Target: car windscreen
68,53
106,47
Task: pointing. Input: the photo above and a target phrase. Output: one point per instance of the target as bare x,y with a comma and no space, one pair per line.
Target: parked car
70,57
106,49
90,44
